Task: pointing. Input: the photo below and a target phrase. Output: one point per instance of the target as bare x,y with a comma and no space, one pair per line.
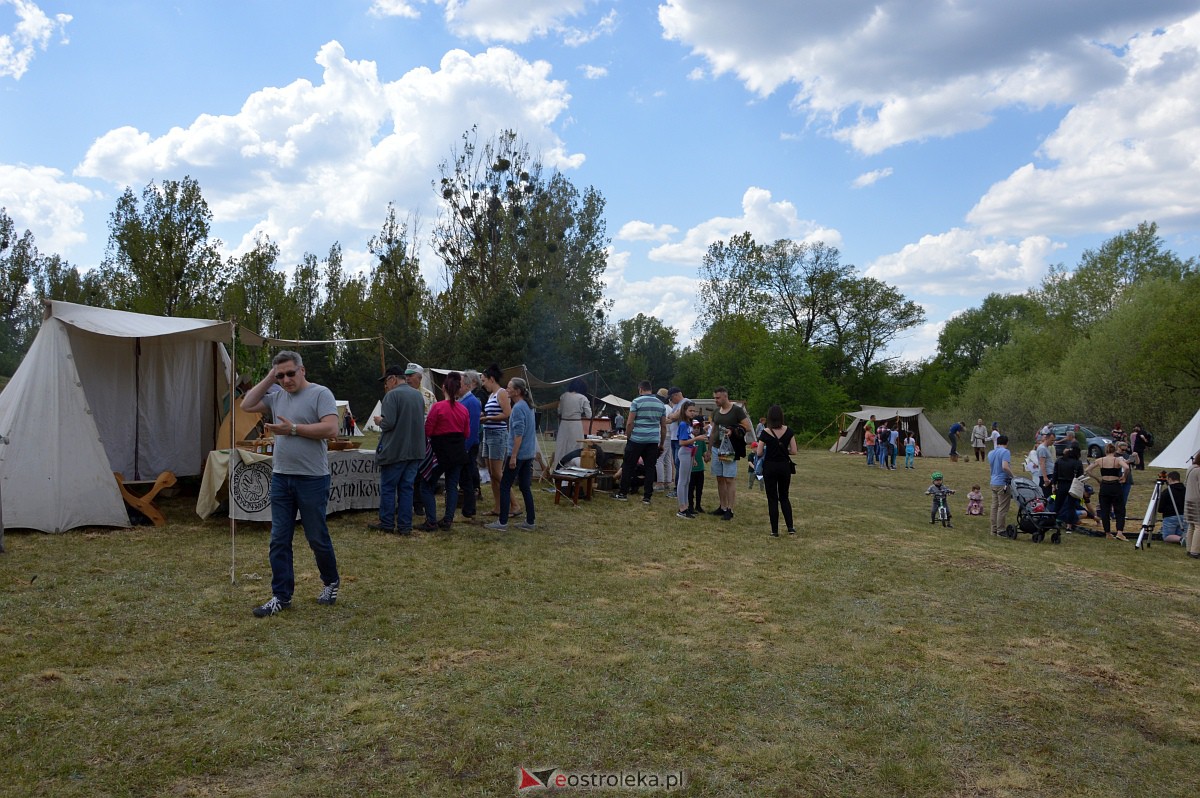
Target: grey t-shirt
1046,454
293,454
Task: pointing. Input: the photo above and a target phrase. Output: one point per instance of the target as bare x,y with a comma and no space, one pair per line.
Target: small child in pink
975,501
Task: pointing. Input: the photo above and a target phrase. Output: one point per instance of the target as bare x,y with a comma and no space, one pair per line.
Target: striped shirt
647,411
493,408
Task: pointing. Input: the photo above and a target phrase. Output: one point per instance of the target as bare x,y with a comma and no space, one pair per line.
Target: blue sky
951,148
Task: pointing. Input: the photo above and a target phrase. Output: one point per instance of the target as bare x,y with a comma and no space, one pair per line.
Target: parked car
1096,440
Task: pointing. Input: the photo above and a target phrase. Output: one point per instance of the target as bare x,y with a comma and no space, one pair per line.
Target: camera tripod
1147,530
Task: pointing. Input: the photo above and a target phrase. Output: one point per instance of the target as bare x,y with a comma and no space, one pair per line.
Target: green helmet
937,475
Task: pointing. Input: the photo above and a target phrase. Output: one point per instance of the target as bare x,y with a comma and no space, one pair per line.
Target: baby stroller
1032,516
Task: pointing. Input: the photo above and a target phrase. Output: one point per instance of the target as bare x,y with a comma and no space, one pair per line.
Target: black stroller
1032,516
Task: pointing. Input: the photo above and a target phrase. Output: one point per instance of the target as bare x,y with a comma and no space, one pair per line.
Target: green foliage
729,349
160,259
965,338
649,349
789,375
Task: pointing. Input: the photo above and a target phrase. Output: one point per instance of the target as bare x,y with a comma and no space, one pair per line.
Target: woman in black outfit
1113,472
1066,468
777,443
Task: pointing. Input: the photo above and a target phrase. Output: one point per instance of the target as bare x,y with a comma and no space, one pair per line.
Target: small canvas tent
910,419
1178,454
103,391
371,426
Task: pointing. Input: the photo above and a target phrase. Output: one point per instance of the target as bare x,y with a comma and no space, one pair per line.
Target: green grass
872,655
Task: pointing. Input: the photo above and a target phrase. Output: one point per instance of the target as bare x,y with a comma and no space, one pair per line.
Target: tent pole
232,446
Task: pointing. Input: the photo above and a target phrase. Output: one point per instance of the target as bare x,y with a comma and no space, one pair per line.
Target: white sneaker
496,525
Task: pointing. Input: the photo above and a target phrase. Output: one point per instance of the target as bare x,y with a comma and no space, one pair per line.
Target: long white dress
572,409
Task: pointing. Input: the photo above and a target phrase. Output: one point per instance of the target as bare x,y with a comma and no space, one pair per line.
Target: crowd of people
669,443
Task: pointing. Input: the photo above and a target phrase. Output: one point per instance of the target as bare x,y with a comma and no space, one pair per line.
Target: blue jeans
908,456
430,501
309,495
871,454
1068,508
396,494
523,476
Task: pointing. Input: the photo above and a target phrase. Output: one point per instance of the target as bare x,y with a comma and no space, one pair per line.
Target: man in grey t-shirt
1045,463
305,416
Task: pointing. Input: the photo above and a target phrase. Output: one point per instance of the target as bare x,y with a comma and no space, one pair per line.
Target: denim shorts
495,443
724,470
1173,525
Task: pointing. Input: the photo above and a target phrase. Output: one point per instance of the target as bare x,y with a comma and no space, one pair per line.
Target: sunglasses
286,374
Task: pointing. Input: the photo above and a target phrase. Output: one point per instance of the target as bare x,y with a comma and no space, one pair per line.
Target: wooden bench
145,503
573,486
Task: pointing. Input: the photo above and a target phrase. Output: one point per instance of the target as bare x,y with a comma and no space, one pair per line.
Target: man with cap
414,375
400,450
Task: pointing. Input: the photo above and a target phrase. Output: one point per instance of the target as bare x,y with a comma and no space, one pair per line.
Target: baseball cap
413,368
392,371
674,389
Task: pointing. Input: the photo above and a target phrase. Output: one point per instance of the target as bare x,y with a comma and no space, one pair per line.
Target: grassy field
873,654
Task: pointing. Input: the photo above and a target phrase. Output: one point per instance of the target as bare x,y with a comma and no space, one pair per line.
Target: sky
951,148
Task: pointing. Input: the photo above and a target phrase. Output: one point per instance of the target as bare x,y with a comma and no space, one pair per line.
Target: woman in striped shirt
494,429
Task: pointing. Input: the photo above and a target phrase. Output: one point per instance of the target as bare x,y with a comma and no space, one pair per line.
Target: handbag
1077,485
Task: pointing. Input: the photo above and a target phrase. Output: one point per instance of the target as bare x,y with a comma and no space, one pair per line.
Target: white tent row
1178,453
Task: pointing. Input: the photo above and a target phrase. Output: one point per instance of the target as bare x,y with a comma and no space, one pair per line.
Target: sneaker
671,494
379,527
774,534
791,530
645,500
273,607
728,515
718,511
525,525
496,525
684,514
329,593
621,497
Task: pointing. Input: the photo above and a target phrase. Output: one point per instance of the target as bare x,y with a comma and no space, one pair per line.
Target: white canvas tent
103,391
930,442
371,426
1178,454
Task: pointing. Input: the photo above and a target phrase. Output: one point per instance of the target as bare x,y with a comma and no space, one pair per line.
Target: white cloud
593,72
883,74
393,8
962,262
767,221
1126,155
515,21
32,32
39,200
645,231
307,162
573,37
669,298
872,177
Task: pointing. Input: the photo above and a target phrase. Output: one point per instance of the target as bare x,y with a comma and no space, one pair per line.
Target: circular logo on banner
251,486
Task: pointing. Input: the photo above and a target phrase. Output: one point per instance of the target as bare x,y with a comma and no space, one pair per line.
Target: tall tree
507,230
1103,276
965,338
256,289
159,257
19,267
868,317
648,348
398,300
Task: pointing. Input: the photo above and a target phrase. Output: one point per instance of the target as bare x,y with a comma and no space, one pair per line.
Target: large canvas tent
1179,451
103,391
911,419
